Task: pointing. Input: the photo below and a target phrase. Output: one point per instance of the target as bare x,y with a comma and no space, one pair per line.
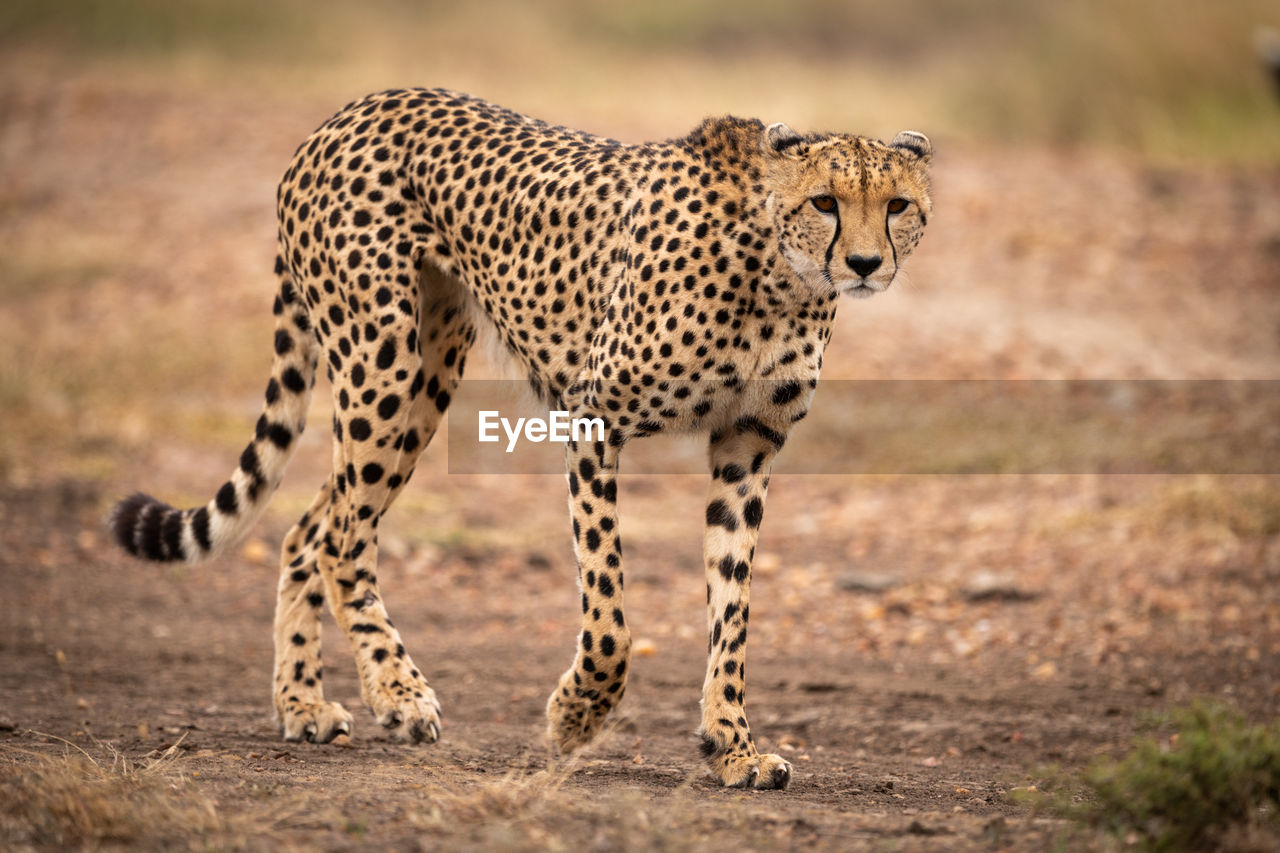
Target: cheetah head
847,210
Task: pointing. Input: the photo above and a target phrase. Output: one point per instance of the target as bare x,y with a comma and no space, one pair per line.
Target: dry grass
101,798
538,812
79,799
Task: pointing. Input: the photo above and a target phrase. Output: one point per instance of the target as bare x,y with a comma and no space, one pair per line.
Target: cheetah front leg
596,681
741,458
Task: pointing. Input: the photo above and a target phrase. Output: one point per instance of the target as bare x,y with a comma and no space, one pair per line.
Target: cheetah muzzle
680,286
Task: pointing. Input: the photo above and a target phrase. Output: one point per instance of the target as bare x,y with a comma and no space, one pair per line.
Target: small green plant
1213,784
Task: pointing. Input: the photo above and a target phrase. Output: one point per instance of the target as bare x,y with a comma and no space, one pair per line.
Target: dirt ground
921,646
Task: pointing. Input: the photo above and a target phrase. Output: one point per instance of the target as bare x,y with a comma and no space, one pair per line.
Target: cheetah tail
153,530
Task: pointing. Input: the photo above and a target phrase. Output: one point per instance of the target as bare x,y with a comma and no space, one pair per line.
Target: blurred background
1105,177
141,140
1159,79
1107,206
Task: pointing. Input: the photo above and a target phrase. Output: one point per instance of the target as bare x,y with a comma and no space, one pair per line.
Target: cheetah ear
915,143
780,139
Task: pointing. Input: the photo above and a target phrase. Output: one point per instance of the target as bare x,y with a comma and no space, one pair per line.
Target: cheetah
681,286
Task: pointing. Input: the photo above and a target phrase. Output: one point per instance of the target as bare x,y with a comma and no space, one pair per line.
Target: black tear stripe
892,247
835,238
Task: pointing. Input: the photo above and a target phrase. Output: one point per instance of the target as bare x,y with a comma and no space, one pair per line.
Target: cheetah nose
863,265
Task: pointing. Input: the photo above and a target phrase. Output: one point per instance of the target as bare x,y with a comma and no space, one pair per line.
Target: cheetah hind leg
382,438
300,706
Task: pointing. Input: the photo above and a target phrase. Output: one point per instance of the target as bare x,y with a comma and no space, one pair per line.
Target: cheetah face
847,210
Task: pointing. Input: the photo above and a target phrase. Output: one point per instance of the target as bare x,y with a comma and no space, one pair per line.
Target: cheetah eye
898,205
825,203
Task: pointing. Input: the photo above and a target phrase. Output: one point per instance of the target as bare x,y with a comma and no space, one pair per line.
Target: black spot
753,512
359,429
389,405
299,640
718,513
786,392
293,380
726,566
387,353
249,463
371,473
280,435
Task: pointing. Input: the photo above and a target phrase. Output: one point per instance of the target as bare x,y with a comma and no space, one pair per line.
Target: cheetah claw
423,723
311,732
318,723
776,774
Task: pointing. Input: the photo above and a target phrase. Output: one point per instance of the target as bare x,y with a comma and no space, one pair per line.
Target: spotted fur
687,285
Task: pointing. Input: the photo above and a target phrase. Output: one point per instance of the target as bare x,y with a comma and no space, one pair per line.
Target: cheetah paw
761,772
316,723
574,720
415,721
